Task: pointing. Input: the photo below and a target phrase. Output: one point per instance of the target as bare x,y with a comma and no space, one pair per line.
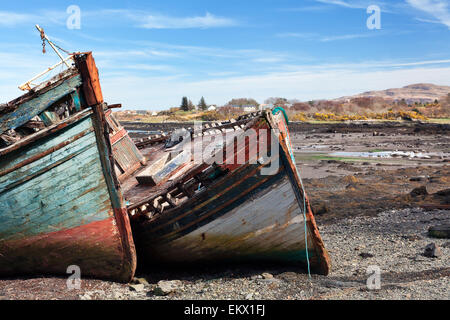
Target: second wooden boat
182,211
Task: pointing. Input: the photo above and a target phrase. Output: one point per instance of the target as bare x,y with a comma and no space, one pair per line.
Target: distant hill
420,92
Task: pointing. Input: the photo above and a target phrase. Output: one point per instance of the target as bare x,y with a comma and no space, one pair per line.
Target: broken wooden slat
172,201
48,118
146,176
34,124
26,111
162,171
150,141
76,100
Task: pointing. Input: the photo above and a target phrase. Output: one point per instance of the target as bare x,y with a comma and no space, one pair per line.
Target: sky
151,53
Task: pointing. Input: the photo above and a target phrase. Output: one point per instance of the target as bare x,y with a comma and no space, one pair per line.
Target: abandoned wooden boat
60,198
182,210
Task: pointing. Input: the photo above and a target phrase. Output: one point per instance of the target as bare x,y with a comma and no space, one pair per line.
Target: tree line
187,105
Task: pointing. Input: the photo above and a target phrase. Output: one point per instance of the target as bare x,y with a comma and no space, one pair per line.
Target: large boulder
432,251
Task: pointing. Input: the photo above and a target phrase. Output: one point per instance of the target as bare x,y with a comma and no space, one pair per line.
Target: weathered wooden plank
271,205
215,201
91,83
145,177
44,133
48,118
60,171
27,168
257,223
120,212
76,100
48,209
33,188
170,167
126,154
45,143
32,165
83,206
323,263
93,247
22,178
29,109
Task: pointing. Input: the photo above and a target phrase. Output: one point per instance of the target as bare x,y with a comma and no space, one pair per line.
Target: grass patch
441,121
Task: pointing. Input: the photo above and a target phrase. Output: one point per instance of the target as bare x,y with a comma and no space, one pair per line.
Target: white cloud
341,3
152,49
16,68
347,37
301,35
152,20
304,83
10,19
143,19
207,21
304,9
147,67
387,7
439,9
268,59
318,37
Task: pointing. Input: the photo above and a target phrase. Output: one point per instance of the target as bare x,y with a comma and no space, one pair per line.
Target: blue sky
151,53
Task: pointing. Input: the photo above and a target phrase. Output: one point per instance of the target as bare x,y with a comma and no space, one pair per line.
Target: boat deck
185,169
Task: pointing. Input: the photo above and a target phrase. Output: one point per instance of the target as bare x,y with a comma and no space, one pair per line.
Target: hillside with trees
413,102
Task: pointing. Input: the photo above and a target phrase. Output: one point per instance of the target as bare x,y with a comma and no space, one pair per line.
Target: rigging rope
274,112
65,51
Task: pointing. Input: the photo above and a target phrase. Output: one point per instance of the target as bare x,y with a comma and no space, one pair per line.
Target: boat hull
246,215
58,207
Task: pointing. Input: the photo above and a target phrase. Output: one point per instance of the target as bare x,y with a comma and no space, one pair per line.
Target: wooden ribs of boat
228,211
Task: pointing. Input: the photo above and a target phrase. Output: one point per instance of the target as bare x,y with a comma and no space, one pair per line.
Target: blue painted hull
60,204
59,196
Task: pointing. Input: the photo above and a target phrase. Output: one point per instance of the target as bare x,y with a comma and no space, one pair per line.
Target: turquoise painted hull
59,204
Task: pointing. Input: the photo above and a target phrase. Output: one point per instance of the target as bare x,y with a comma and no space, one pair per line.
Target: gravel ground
394,240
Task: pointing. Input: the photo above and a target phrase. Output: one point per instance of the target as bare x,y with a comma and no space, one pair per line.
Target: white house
246,107
212,108
265,106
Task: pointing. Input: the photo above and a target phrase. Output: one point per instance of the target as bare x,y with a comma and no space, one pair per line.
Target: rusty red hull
94,247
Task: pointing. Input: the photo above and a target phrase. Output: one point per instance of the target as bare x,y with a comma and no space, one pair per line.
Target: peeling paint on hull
56,211
94,247
263,226
245,215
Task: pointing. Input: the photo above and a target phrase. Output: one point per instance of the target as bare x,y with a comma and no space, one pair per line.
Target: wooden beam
26,111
